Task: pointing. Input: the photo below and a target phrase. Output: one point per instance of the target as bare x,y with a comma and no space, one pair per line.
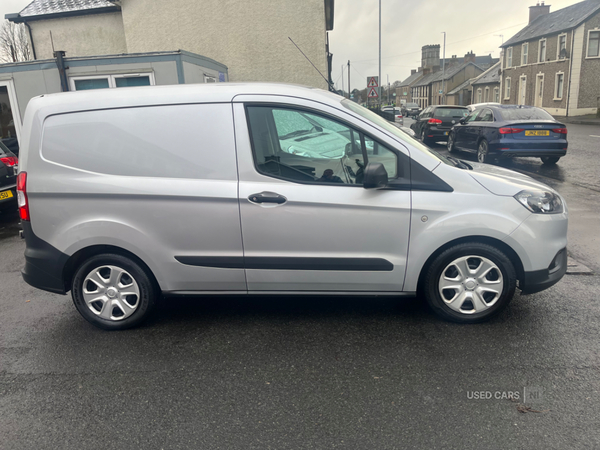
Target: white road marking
593,135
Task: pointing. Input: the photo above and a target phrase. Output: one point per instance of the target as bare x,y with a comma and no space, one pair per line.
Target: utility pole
380,52
388,83
349,88
444,72
344,92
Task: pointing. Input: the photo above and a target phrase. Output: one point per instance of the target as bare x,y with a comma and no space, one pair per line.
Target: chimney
538,10
470,57
413,71
430,55
426,70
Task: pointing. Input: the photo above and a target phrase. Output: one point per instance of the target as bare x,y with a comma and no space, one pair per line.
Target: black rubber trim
44,264
285,263
221,262
539,280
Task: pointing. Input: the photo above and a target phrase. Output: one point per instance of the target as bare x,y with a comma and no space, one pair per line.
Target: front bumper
540,280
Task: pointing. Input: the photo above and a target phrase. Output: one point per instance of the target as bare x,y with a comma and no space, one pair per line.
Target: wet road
305,373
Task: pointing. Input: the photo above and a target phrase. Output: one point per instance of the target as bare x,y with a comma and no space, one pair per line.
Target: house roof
459,88
410,80
489,76
447,74
561,20
44,9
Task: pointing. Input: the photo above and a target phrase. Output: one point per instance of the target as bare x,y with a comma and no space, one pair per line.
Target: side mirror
462,121
375,176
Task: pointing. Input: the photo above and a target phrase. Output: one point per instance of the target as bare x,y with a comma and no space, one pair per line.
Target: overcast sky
407,25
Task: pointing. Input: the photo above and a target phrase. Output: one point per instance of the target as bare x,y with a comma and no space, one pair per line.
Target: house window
479,96
562,47
486,97
559,84
497,95
209,79
111,81
509,57
507,89
542,51
593,44
524,52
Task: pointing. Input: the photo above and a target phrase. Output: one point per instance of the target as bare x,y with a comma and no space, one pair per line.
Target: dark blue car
508,131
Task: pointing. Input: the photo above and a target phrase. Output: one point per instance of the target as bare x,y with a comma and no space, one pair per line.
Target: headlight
540,202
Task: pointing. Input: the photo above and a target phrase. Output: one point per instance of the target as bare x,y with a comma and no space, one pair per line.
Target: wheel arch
77,258
502,246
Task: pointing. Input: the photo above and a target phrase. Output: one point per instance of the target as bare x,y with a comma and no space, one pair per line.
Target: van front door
307,222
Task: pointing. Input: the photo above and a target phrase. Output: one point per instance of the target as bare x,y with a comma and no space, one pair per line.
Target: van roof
170,95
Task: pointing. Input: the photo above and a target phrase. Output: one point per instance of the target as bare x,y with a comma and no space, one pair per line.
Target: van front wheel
113,292
469,283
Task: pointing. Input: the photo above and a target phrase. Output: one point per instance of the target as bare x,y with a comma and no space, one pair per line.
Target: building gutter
31,40
16,18
570,70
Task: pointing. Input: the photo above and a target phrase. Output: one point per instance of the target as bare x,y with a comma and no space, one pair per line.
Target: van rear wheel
470,283
113,292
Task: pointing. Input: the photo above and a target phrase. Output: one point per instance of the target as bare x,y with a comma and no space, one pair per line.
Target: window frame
509,57
486,94
562,90
496,95
587,46
362,134
540,59
112,83
524,53
558,45
479,95
507,88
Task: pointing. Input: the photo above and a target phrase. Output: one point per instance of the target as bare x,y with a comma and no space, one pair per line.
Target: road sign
373,93
372,82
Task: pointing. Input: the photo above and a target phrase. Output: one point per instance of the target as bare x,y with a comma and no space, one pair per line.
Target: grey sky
406,27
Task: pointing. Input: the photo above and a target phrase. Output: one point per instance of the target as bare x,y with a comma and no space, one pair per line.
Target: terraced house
554,62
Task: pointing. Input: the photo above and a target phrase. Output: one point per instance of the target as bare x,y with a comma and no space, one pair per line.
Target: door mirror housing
462,121
375,177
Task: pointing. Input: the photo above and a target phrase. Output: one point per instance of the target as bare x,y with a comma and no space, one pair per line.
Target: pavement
580,120
312,373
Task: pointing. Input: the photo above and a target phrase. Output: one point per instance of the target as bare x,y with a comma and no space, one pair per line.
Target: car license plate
537,133
446,133
6,194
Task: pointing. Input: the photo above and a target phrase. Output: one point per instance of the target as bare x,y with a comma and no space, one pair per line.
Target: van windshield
388,126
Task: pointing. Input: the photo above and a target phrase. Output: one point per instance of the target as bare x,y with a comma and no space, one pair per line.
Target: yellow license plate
6,194
537,133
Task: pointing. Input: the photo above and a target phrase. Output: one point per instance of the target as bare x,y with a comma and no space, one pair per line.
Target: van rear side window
180,141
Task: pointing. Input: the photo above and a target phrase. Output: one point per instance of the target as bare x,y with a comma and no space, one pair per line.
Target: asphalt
309,373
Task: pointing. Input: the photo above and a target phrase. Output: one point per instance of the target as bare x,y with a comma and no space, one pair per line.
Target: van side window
300,146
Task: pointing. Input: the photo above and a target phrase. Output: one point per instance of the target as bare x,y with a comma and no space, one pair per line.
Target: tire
483,153
451,147
550,159
495,272
126,295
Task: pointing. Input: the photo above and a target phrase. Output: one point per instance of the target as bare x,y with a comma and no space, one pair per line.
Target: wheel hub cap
471,284
111,293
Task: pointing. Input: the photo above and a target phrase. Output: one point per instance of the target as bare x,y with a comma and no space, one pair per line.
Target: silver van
126,195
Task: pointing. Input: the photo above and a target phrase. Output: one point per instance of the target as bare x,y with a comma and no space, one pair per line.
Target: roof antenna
327,81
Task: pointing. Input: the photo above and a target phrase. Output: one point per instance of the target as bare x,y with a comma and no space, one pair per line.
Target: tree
14,45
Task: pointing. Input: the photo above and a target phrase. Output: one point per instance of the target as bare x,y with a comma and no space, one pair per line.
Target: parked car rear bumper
511,147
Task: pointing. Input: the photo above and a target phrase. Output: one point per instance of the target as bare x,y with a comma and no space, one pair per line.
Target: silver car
266,189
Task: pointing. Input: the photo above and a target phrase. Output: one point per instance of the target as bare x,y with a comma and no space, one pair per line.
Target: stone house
251,41
554,62
404,92
486,87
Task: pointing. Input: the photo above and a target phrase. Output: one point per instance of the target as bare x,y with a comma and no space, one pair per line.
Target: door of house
522,90
539,90
10,119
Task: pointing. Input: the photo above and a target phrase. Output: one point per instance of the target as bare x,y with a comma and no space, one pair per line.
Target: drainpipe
570,70
31,40
60,63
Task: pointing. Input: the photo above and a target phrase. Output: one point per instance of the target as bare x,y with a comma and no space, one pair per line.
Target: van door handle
267,197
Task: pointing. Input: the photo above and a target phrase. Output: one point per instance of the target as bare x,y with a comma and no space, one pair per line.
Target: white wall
95,34
250,38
